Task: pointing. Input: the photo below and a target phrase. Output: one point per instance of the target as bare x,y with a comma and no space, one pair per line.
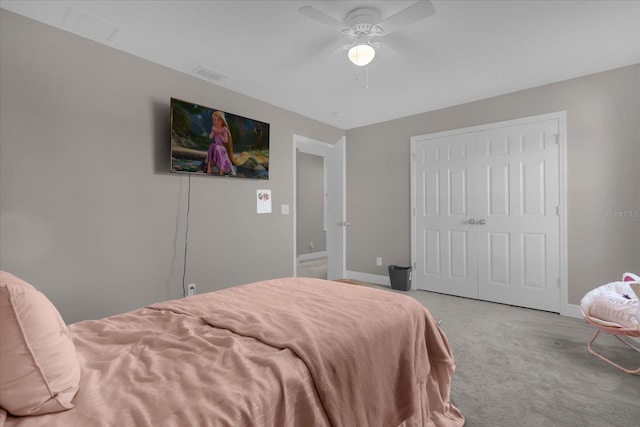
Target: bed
283,352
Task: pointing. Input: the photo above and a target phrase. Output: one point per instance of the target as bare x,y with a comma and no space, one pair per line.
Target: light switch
285,209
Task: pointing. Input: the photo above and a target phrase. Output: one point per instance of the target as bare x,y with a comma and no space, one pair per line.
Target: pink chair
612,309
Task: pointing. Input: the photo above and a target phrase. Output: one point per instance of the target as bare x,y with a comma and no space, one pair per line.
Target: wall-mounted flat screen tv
208,141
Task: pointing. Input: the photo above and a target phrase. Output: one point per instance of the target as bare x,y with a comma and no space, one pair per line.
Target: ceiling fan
363,24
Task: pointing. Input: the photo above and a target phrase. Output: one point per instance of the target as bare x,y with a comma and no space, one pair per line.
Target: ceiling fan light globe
361,54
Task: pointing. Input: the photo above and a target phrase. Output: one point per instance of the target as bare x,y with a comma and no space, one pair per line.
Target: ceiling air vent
210,74
88,26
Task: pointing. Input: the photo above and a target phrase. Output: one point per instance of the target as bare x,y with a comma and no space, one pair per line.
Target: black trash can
400,277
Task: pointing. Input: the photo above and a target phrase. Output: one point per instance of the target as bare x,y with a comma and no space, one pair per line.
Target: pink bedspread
286,352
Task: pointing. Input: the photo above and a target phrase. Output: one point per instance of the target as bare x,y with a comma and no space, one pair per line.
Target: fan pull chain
367,77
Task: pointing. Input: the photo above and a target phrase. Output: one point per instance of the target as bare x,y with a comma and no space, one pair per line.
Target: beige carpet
527,368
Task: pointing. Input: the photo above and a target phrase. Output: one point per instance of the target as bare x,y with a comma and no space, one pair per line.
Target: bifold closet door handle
482,222
472,221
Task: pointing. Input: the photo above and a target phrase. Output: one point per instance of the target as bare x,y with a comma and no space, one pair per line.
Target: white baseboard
570,310
369,278
312,255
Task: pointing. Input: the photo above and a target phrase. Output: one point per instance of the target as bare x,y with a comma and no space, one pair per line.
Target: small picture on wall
208,141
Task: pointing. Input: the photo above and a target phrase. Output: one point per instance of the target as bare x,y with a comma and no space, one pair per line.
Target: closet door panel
446,243
517,200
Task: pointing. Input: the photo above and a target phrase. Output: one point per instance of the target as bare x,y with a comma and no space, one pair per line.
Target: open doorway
332,202
311,193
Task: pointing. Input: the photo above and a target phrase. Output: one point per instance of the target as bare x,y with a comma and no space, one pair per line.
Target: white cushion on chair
635,287
614,302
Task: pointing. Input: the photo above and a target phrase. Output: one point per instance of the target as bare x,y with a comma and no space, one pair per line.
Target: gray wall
603,174
88,211
309,204
91,217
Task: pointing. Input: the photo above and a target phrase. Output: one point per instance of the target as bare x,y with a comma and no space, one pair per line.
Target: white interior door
336,210
518,223
446,201
486,213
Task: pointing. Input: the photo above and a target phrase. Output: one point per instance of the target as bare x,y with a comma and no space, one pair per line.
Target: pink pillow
39,370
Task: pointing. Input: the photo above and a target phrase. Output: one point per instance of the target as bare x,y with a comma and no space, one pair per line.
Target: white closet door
518,222
486,219
446,247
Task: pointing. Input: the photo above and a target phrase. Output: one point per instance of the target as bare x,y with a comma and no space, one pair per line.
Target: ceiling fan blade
323,18
316,53
411,14
337,50
416,50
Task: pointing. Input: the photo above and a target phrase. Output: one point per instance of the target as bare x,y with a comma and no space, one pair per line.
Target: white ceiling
467,50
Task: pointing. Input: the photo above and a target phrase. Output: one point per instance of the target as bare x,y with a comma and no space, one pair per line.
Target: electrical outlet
191,289
379,261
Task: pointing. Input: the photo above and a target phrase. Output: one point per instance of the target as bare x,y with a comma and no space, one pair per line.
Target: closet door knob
472,221
482,222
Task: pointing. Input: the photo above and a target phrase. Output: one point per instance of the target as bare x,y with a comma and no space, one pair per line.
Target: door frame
561,116
321,149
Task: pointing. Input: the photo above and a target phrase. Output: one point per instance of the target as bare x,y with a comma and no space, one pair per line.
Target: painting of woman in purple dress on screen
217,155
213,142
